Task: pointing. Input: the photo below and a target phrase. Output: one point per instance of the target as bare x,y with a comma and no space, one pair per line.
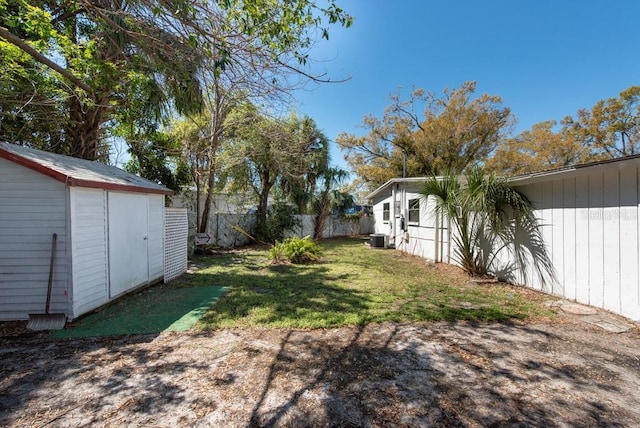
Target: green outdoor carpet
153,310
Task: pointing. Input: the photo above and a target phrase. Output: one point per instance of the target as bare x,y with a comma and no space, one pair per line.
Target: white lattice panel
176,229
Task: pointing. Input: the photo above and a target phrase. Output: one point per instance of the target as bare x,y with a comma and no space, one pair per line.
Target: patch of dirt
425,374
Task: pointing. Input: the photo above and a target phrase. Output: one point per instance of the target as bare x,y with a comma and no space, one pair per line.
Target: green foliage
456,130
300,183
329,199
489,216
538,149
179,46
354,218
295,250
278,220
157,159
610,129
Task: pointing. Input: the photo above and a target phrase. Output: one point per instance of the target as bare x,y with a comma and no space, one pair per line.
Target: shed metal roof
79,172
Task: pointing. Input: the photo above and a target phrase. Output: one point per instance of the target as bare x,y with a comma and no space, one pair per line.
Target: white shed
590,219
109,223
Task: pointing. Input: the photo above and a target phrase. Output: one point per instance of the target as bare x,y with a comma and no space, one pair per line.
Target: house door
128,242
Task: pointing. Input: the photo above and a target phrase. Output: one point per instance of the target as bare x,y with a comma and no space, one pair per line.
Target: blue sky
546,59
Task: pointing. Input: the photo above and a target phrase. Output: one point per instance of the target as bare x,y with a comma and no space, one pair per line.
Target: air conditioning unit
377,240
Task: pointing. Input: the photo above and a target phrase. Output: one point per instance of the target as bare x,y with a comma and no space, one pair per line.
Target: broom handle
50,283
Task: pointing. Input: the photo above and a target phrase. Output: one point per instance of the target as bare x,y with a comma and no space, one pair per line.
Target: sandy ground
566,373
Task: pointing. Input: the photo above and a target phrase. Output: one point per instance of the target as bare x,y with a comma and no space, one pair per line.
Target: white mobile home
109,224
408,222
590,219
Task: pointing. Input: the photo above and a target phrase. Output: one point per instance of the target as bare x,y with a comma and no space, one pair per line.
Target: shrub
280,218
295,250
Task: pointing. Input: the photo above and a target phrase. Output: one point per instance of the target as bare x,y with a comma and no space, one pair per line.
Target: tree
87,50
96,46
155,155
220,102
487,216
261,144
455,131
202,142
539,149
328,199
611,127
301,185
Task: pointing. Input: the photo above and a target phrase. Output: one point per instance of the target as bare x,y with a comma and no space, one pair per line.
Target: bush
295,250
280,218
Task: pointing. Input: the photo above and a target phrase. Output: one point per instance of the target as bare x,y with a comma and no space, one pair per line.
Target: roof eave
396,180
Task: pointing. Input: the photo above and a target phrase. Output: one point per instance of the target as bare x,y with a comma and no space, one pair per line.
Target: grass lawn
353,284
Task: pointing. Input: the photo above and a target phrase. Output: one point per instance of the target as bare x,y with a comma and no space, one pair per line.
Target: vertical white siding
546,216
583,251
596,241
381,226
426,238
89,249
592,231
530,276
128,230
558,229
611,240
32,208
629,244
156,237
569,237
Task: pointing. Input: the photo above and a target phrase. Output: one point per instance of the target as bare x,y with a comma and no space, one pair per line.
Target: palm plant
329,198
488,216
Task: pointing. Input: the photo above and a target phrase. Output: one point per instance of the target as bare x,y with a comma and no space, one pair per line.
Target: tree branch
22,45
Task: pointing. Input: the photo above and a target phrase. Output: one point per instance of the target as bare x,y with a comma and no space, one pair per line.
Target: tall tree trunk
83,130
322,212
206,209
263,197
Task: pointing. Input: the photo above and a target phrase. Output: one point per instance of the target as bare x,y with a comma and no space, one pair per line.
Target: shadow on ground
440,374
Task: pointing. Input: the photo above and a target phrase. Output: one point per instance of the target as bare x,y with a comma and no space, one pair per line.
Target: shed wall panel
156,237
128,230
89,249
26,234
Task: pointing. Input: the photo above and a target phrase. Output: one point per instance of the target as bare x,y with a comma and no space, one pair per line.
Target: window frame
386,212
413,210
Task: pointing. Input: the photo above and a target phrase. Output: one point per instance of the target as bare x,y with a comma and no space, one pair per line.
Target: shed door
128,239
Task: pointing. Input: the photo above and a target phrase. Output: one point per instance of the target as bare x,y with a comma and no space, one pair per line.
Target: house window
385,211
414,210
